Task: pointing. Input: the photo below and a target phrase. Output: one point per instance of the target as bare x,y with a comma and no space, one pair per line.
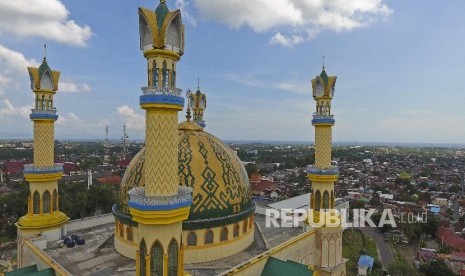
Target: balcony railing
31,169
329,171
319,117
43,112
137,196
155,90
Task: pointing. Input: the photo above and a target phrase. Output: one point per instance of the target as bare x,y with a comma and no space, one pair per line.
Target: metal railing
46,112
30,168
137,196
316,116
315,170
155,90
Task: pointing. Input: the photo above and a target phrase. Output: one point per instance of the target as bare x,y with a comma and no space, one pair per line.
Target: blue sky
399,66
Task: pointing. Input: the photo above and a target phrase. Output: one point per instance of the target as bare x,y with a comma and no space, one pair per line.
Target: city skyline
399,69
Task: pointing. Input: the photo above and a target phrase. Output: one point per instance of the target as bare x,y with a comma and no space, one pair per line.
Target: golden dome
221,188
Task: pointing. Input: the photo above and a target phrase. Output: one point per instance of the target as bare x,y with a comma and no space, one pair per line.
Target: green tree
436,268
401,268
251,168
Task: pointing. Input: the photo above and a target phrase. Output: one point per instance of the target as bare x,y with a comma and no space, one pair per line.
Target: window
142,253
173,258
164,74
326,200
244,226
224,234
191,239
236,230
36,202
46,82
121,230
46,202
55,200
156,263
129,233
209,237
155,74
317,200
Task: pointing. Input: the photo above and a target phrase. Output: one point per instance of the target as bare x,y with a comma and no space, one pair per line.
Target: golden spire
323,62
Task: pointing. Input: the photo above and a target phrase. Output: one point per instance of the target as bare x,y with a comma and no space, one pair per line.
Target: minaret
43,214
198,102
162,205
322,176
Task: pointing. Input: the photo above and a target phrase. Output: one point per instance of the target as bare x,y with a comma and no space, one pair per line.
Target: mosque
185,204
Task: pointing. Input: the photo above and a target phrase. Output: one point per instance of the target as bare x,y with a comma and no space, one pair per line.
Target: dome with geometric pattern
221,188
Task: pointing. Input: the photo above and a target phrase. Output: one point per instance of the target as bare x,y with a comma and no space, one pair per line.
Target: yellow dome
221,188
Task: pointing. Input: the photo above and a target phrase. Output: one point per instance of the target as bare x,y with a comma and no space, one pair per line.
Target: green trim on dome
122,217
218,221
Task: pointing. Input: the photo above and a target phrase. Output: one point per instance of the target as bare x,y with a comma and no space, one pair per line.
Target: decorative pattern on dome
220,184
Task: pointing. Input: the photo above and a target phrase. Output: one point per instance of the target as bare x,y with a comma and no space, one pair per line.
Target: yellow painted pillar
165,264
138,262
147,265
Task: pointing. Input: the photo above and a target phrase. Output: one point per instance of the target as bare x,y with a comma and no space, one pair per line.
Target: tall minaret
43,214
198,102
162,205
322,176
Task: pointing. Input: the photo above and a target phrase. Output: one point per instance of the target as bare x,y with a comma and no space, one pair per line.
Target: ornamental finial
324,62
45,52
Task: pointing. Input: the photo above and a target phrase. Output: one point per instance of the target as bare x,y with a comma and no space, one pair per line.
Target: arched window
244,226
129,233
326,200
191,239
173,258
42,107
37,102
55,200
209,237
36,202
236,230
121,230
332,199
173,76
50,103
317,200
164,74
156,263
224,234
155,73
142,254
46,81
46,202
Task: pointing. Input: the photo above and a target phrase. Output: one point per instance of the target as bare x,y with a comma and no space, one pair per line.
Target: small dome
221,188
161,11
324,76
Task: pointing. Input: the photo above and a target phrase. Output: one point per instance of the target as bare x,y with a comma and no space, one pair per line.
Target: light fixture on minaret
322,176
43,214
198,102
162,204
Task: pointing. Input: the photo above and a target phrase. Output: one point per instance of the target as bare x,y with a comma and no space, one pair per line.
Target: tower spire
323,62
45,52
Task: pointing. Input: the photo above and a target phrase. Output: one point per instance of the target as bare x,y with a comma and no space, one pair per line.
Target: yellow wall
323,138
44,143
161,152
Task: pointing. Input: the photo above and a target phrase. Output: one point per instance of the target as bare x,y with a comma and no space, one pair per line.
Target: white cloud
131,118
79,125
10,112
303,18
45,18
182,6
73,87
287,41
14,62
287,85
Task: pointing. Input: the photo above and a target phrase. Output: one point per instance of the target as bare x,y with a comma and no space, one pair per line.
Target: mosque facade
185,198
